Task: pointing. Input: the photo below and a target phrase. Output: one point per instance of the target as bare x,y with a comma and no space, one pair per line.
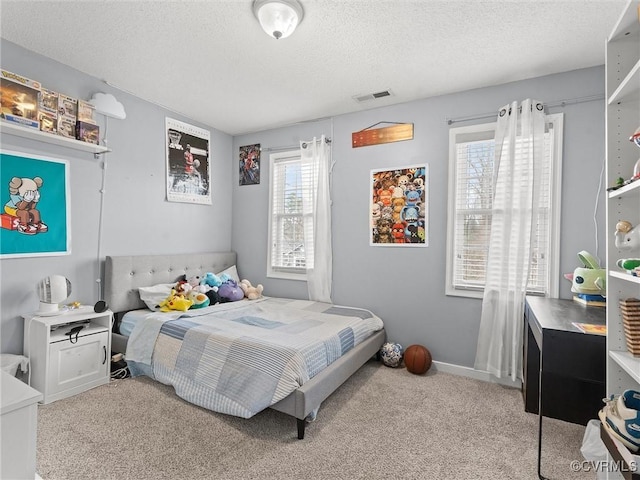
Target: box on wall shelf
48,122
48,101
48,110
87,132
85,112
67,116
19,99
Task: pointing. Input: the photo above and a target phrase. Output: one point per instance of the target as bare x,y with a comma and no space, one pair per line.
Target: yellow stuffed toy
175,301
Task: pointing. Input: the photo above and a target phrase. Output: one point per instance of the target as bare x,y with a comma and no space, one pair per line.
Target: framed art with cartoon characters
398,210
35,217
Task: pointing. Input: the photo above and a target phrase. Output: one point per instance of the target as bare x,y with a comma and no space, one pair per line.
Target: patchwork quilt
241,357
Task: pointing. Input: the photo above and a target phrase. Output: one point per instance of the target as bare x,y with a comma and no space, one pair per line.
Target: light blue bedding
239,358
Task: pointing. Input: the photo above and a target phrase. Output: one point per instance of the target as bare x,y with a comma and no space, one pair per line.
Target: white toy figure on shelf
627,236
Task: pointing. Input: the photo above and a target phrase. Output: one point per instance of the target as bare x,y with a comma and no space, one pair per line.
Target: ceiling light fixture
278,18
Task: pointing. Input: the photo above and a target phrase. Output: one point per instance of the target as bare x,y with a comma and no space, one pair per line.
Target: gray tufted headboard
123,275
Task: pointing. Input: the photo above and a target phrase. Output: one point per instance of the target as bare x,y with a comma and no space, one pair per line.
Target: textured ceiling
211,61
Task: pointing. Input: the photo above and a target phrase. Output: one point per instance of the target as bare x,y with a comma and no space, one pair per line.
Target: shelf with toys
628,190
32,111
33,134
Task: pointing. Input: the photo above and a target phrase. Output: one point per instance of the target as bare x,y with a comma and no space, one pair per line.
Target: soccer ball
391,354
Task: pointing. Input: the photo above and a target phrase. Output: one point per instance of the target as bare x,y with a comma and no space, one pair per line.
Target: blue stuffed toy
212,280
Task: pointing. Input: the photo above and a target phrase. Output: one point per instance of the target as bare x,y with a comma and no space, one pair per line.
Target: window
289,255
471,173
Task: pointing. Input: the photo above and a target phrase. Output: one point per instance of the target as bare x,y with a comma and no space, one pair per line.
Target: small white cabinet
68,353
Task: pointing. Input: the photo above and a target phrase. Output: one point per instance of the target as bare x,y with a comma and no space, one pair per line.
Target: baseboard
476,374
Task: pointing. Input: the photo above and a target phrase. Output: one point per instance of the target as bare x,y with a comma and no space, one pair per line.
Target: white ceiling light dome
278,18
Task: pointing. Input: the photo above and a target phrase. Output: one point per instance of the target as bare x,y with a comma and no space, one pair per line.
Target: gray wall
406,286
137,218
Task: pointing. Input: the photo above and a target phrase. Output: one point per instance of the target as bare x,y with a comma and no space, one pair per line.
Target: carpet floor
382,423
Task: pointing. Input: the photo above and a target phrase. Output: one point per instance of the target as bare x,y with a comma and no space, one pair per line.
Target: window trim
285,274
553,270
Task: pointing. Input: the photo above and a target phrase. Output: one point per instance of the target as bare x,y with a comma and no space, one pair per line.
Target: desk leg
540,476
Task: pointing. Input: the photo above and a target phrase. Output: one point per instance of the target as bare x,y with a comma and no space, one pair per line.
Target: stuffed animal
213,296
250,291
212,280
175,302
199,300
182,287
229,291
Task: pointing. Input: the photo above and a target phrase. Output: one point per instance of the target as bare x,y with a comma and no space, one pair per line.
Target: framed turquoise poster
35,217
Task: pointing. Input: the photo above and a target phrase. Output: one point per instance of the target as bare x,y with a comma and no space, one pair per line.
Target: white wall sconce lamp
278,18
106,104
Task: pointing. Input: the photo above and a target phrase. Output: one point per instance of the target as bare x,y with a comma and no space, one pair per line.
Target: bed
312,373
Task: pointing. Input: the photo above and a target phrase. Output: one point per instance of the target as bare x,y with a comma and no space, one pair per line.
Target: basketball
417,359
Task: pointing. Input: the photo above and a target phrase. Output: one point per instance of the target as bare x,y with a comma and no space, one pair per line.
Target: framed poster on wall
35,217
249,164
398,210
188,163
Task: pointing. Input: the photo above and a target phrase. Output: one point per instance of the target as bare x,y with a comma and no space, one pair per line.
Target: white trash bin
594,450
10,363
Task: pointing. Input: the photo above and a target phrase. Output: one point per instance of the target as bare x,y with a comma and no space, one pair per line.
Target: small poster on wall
35,215
249,163
399,210
188,163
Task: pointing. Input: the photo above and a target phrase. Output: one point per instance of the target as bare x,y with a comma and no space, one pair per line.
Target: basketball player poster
188,163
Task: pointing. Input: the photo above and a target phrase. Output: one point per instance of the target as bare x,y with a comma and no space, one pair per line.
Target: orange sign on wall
377,136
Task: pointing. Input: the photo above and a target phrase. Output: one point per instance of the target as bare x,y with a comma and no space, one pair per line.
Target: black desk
564,369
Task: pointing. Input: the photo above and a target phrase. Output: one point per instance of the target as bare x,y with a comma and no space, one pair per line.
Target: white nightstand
68,353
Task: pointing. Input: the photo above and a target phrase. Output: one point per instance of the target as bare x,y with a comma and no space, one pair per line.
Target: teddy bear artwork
398,206
199,292
21,211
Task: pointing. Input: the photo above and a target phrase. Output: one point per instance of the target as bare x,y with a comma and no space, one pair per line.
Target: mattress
130,320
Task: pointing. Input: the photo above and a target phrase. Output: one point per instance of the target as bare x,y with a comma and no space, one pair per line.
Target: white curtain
519,146
316,205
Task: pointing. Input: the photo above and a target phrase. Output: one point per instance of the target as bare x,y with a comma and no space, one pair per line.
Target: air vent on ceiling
372,96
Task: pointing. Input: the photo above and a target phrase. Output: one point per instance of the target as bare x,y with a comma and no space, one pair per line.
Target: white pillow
232,271
153,295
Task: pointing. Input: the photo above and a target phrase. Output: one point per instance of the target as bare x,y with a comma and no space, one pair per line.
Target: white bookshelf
622,120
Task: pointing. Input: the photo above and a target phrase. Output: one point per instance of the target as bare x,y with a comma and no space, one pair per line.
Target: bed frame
125,274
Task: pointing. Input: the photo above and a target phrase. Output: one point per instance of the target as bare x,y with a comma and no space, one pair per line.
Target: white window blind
290,182
471,172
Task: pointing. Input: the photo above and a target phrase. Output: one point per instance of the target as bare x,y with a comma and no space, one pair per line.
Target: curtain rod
289,147
559,103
